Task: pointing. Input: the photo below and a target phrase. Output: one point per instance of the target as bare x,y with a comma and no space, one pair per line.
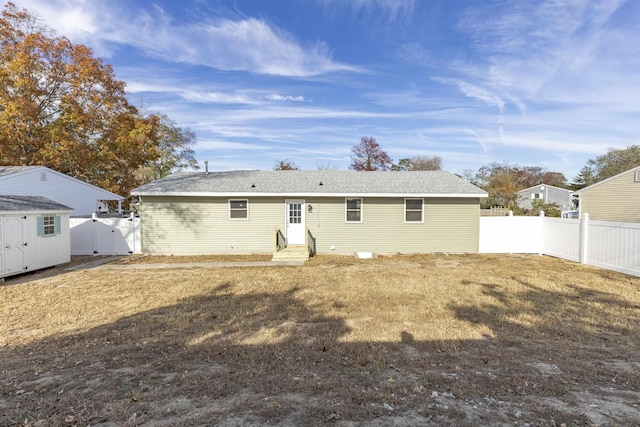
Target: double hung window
238,209
353,210
413,210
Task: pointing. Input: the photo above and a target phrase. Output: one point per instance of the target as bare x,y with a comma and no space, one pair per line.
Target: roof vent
206,167
321,183
253,186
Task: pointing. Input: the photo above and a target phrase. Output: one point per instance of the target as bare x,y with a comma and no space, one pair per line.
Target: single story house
547,194
331,211
81,196
614,199
34,234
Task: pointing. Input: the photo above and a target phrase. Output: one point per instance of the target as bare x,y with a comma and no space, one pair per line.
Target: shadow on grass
269,358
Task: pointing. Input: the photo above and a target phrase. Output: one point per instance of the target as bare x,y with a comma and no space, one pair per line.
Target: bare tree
369,156
326,165
286,165
419,163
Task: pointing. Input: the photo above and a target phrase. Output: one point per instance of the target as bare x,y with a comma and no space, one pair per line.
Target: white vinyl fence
105,236
610,245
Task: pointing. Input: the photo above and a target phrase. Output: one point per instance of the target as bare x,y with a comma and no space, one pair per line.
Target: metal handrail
311,243
281,241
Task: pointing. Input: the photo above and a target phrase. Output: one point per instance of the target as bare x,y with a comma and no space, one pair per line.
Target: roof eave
256,194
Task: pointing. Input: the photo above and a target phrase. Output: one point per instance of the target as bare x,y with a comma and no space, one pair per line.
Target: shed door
15,244
295,222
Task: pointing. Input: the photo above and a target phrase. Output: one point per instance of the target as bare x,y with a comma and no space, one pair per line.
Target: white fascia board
36,212
303,195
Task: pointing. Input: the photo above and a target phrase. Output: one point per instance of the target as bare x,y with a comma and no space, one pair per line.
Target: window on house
413,209
353,210
536,195
239,209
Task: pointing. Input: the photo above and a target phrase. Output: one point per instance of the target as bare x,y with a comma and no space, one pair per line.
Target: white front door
295,222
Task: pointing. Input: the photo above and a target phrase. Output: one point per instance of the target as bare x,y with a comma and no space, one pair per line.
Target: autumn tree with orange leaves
63,108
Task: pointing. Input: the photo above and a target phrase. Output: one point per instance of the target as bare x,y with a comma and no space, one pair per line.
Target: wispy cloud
530,51
285,98
393,11
472,91
248,44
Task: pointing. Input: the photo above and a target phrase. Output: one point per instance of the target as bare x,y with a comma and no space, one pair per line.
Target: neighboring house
34,234
336,211
547,194
82,197
613,199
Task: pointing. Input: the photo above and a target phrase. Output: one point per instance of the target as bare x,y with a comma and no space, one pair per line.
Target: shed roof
29,204
315,183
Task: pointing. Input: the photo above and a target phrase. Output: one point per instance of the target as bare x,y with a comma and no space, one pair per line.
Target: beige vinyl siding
200,225
197,225
615,200
450,225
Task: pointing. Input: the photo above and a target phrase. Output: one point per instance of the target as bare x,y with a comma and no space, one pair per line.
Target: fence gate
105,236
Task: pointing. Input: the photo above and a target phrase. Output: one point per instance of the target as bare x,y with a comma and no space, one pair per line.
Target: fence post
584,238
541,234
510,231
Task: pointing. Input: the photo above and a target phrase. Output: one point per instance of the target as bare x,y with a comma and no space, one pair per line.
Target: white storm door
295,222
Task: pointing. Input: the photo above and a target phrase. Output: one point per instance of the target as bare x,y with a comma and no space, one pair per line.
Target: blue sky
533,83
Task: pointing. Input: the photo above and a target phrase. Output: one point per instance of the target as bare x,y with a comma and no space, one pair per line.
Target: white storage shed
34,234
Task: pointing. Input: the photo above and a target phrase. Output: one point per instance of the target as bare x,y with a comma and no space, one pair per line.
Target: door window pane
295,213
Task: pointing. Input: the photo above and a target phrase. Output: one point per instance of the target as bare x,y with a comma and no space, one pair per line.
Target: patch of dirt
51,271
178,259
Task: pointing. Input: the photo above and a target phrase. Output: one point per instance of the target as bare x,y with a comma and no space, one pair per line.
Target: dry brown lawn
405,340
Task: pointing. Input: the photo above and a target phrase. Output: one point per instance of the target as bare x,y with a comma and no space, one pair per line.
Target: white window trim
404,215
637,176
346,221
229,209
46,226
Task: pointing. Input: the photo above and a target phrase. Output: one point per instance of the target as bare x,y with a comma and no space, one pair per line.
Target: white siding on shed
34,252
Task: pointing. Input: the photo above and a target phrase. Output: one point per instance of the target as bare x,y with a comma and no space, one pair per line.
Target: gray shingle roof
30,203
316,183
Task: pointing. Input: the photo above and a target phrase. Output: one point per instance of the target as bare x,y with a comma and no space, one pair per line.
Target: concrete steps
291,254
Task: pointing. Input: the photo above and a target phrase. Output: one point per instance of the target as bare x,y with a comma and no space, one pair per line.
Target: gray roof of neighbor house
546,185
30,203
315,183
